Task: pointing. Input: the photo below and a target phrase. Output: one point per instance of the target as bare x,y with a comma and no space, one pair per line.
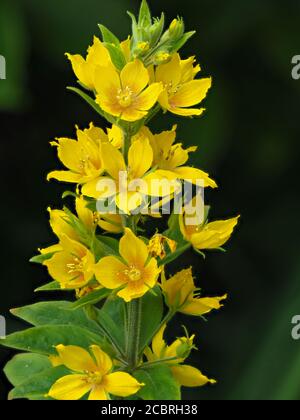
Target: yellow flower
208,235
157,246
128,191
61,225
91,373
84,69
109,222
181,91
82,157
172,157
136,273
180,293
174,355
126,95
72,266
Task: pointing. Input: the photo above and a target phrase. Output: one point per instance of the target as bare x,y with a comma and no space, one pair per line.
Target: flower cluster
108,342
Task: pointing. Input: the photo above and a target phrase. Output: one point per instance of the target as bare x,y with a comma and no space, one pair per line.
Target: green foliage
36,387
43,339
40,259
24,365
90,299
55,313
160,384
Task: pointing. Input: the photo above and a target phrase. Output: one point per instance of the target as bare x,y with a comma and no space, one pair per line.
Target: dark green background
248,140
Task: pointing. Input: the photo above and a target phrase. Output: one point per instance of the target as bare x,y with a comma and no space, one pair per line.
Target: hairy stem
133,332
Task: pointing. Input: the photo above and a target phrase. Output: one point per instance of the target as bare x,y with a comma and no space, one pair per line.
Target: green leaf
160,384
116,55
108,36
185,38
22,366
112,318
174,255
55,313
40,259
50,287
68,194
44,339
88,99
91,298
152,313
145,18
103,246
174,231
37,386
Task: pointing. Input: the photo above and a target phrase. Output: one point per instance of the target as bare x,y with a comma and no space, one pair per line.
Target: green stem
133,332
166,319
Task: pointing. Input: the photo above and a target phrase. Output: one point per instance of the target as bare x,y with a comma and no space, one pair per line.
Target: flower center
125,97
133,273
75,266
94,378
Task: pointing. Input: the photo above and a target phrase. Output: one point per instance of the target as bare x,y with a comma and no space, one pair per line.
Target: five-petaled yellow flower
135,272
132,182
208,235
181,296
91,373
173,157
82,157
72,266
84,69
174,355
126,95
181,91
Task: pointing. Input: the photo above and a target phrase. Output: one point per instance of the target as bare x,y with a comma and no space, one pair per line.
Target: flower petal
158,344
140,158
149,97
65,176
191,93
98,393
186,112
170,73
107,83
103,361
107,272
135,76
113,160
202,306
70,388
133,250
195,176
76,358
189,376
121,384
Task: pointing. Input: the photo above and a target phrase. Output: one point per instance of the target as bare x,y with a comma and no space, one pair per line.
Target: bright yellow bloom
157,246
136,273
72,266
84,69
181,91
126,95
128,191
175,355
180,293
208,235
61,225
172,157
82,157
109,222
92,373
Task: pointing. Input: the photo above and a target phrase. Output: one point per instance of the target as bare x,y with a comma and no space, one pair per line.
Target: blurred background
248,141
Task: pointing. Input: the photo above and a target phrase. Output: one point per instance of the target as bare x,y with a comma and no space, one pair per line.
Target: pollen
133,273
125,97
75,266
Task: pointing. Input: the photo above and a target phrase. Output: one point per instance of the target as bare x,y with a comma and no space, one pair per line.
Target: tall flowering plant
108,341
